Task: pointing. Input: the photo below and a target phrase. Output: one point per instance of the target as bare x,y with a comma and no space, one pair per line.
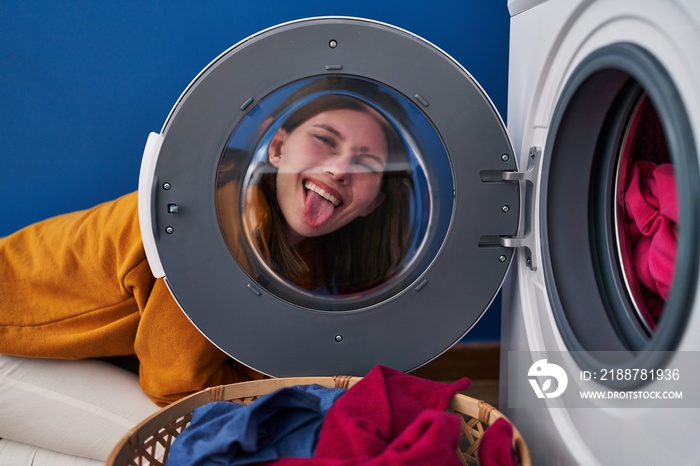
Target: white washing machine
602,95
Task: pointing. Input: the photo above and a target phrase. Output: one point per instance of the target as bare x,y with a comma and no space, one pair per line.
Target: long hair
366,251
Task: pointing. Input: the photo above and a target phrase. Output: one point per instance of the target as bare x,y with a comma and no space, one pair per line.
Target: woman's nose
339,167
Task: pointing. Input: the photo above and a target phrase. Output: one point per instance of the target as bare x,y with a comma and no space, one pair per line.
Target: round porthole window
323,192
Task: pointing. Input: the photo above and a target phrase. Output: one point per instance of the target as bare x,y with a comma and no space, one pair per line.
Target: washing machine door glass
323,192
329,195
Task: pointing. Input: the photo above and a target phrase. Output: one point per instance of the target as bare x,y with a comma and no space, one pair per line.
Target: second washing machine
604,104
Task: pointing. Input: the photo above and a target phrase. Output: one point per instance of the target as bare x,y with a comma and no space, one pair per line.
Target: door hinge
529,179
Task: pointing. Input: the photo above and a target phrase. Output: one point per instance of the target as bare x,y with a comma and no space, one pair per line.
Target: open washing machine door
601,339
328,195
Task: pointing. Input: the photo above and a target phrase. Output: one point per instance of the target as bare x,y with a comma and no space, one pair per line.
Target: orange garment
78,286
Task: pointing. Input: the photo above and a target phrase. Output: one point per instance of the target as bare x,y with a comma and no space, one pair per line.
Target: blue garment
284,423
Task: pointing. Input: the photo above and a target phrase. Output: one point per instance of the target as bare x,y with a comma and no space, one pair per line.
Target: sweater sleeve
79,286
175,358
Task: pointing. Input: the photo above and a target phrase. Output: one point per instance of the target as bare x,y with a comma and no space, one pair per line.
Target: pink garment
389,418
495,448
652,211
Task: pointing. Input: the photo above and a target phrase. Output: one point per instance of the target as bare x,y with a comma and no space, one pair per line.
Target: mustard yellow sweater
78,286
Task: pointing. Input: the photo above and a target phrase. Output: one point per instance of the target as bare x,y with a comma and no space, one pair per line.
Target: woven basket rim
147,428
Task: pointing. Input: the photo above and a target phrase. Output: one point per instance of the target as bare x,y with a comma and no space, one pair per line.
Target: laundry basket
149,442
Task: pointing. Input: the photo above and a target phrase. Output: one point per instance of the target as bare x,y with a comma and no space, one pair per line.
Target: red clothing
389,418
652,217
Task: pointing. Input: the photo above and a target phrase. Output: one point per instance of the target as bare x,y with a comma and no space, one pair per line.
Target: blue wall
82,83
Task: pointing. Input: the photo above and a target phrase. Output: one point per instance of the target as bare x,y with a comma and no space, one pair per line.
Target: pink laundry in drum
651,202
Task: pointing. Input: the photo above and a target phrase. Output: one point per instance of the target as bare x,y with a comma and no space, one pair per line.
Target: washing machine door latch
528,180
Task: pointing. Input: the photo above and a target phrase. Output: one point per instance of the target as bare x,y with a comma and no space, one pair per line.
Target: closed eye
325,140
327,135
371,163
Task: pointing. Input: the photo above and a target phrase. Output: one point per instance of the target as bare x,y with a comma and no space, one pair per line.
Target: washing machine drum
328,195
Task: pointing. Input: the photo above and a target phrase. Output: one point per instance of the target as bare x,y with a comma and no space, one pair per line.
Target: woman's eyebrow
331,130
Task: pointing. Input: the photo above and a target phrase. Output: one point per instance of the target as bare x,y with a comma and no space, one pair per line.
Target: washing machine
604,98
331,194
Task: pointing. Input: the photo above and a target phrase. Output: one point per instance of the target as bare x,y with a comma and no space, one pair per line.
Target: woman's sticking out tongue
317,210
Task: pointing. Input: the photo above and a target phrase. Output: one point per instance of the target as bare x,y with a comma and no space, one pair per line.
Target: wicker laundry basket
148,443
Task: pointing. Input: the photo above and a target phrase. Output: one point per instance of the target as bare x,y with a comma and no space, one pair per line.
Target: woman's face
330,170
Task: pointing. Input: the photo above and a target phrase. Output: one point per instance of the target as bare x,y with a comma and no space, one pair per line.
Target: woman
78,286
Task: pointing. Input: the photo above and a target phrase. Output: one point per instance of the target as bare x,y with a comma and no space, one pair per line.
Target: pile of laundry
652,217
387,418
